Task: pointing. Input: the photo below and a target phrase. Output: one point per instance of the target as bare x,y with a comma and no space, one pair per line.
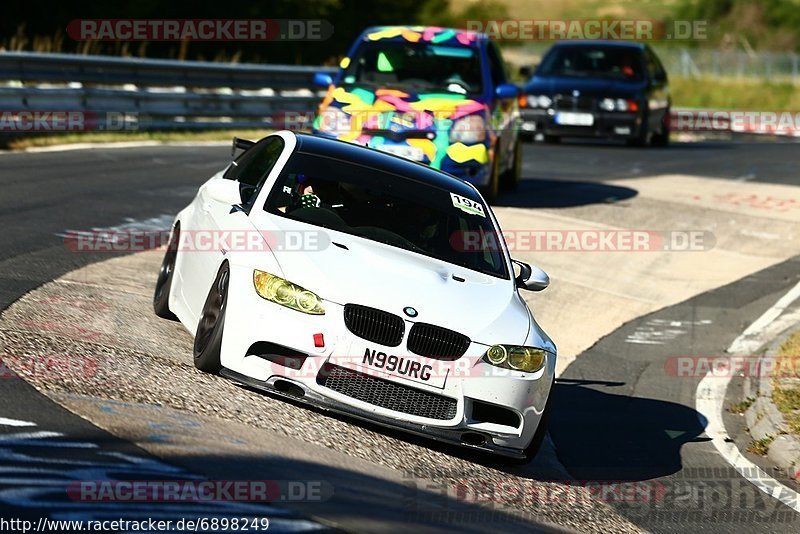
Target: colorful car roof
428,34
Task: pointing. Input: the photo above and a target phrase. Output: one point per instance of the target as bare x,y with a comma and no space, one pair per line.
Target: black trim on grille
437,342
386,394
374,325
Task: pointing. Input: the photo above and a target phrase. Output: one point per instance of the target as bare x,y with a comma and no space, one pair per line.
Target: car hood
376,107
594,87
348,269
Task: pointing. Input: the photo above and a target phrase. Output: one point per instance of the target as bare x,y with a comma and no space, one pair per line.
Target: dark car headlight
539,101
619,104
527,359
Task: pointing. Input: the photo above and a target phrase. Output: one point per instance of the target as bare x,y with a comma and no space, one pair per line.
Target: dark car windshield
416,67
394,210
593,61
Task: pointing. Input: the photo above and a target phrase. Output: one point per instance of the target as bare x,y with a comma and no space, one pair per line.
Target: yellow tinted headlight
527,359
497,354
285,293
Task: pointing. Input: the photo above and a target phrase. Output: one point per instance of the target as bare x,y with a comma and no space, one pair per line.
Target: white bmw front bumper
463,401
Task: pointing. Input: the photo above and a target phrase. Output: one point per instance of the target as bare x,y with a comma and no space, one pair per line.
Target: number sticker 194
467,205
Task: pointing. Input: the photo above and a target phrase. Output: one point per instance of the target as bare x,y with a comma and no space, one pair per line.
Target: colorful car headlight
468,130
527,359
276,289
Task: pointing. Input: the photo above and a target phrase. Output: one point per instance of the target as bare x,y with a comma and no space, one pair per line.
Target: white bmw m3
365,284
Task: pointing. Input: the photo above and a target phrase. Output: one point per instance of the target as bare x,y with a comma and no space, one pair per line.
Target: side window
496,67
252,167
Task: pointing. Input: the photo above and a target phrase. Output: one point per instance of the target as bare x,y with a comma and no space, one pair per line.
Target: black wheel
552,139
510,178
526,137
661,139
208,339
643,138
164,282
490,190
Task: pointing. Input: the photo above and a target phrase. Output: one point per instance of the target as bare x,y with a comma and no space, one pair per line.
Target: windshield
387,208
593,61
416,66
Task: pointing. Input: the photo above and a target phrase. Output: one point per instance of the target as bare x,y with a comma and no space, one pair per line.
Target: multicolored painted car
437,96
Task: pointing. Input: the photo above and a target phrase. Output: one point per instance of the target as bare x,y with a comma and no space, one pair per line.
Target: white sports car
365,284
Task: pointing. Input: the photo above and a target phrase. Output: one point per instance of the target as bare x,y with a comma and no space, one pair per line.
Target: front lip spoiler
451,437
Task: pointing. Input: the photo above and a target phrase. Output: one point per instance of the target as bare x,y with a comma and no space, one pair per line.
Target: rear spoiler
243,144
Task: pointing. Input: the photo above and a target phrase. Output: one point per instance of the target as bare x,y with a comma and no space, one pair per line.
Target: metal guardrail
148,94
157,94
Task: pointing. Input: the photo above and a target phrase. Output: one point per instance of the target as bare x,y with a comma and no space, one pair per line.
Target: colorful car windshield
416,66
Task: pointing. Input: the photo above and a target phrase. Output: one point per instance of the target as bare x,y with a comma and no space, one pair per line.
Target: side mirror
531,278
322,79
242,144
506,90
225,191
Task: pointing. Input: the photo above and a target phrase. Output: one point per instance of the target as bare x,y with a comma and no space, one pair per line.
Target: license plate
404,151
381,362
570,118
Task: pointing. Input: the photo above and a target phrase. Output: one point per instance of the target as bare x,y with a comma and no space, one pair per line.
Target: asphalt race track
620,423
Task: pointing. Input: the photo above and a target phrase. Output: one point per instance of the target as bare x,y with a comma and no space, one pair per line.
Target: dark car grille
436,342
389,395
571,103
374,325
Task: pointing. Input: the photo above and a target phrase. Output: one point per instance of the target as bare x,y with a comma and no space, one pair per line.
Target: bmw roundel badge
411,312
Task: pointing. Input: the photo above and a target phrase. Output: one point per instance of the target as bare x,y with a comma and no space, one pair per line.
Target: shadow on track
601,435
563,194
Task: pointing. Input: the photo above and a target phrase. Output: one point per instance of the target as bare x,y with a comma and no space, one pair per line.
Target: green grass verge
741,407
760,446
730,93
785,386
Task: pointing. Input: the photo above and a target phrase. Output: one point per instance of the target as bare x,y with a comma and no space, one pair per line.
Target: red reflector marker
319,340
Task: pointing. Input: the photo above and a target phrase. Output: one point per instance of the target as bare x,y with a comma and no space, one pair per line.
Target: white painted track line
710,398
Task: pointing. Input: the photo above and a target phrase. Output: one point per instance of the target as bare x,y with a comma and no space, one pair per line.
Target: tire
552,139
164,282
208,338
509,180
661,139
490,190
526,137
643,139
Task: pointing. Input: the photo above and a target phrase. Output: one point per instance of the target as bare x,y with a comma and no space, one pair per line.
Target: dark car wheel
208,339
510,177
642,139
164,282
661,139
